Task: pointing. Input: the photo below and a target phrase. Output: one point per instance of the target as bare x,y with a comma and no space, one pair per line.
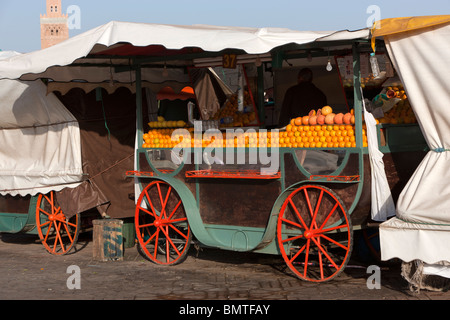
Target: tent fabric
108,134
382,202
204,37
421,228
87,87
40,141
391,26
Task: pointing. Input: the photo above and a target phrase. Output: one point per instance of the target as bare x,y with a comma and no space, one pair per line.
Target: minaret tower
54,27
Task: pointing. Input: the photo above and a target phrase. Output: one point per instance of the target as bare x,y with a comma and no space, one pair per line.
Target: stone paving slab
28,272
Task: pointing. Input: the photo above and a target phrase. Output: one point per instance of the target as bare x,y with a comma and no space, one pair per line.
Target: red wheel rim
57,233
314,233
162,228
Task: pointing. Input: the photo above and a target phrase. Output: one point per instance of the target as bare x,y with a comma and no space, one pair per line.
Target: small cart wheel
314,233
57,233
162,229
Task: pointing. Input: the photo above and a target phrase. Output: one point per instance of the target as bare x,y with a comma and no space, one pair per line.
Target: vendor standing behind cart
300,99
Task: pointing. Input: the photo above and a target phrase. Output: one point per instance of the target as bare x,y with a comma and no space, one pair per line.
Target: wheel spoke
147,196
178,231
174,210
319,201
44,212
169,240
335,242
293,223
292,239
298,214
155,254
308,202
329,215
300,251
308,244
146,225
163,209
325,253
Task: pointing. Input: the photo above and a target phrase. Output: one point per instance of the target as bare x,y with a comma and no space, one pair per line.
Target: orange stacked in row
322,129
338,131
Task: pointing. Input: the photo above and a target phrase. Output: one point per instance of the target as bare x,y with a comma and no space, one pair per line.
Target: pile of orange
230,110
304,136
319,136
164,138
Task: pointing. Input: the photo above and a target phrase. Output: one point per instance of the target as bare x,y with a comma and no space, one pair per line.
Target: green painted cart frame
307,218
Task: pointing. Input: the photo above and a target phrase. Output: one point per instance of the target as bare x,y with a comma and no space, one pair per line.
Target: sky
20,26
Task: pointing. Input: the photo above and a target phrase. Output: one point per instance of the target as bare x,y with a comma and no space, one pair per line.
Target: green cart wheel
162,229
314,233
58,234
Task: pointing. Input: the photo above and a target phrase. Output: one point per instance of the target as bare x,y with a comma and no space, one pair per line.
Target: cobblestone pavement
28,272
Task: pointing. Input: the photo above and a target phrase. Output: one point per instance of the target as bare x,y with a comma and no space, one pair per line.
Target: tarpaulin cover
421,228
108,131
39,138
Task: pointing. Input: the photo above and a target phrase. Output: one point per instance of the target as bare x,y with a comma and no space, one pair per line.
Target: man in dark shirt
300,99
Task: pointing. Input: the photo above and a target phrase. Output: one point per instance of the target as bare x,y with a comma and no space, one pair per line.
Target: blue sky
20,29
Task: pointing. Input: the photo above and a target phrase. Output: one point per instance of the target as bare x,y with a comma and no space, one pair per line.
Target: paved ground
28,272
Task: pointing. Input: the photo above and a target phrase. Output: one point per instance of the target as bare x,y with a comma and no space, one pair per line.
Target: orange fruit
305,120
327,110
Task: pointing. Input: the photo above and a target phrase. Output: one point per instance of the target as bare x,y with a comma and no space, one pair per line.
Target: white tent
420,51
114,42
40,140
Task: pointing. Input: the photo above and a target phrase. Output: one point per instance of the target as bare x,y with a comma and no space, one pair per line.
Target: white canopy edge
208,38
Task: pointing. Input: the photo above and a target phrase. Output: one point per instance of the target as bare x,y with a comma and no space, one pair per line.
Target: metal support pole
139,128
261,107
357,95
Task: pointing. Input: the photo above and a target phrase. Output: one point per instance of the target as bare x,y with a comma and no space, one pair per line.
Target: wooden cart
306,217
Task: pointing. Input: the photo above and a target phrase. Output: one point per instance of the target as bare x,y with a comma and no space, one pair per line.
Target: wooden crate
108,240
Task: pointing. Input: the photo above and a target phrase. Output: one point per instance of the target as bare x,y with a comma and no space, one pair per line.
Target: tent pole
140,129
260,87
357,95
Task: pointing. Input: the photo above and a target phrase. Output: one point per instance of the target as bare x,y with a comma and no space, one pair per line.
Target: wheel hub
309,234
160,223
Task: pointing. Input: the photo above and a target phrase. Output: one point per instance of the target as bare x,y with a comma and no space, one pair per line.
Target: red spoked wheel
162,229
314,233
57,233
